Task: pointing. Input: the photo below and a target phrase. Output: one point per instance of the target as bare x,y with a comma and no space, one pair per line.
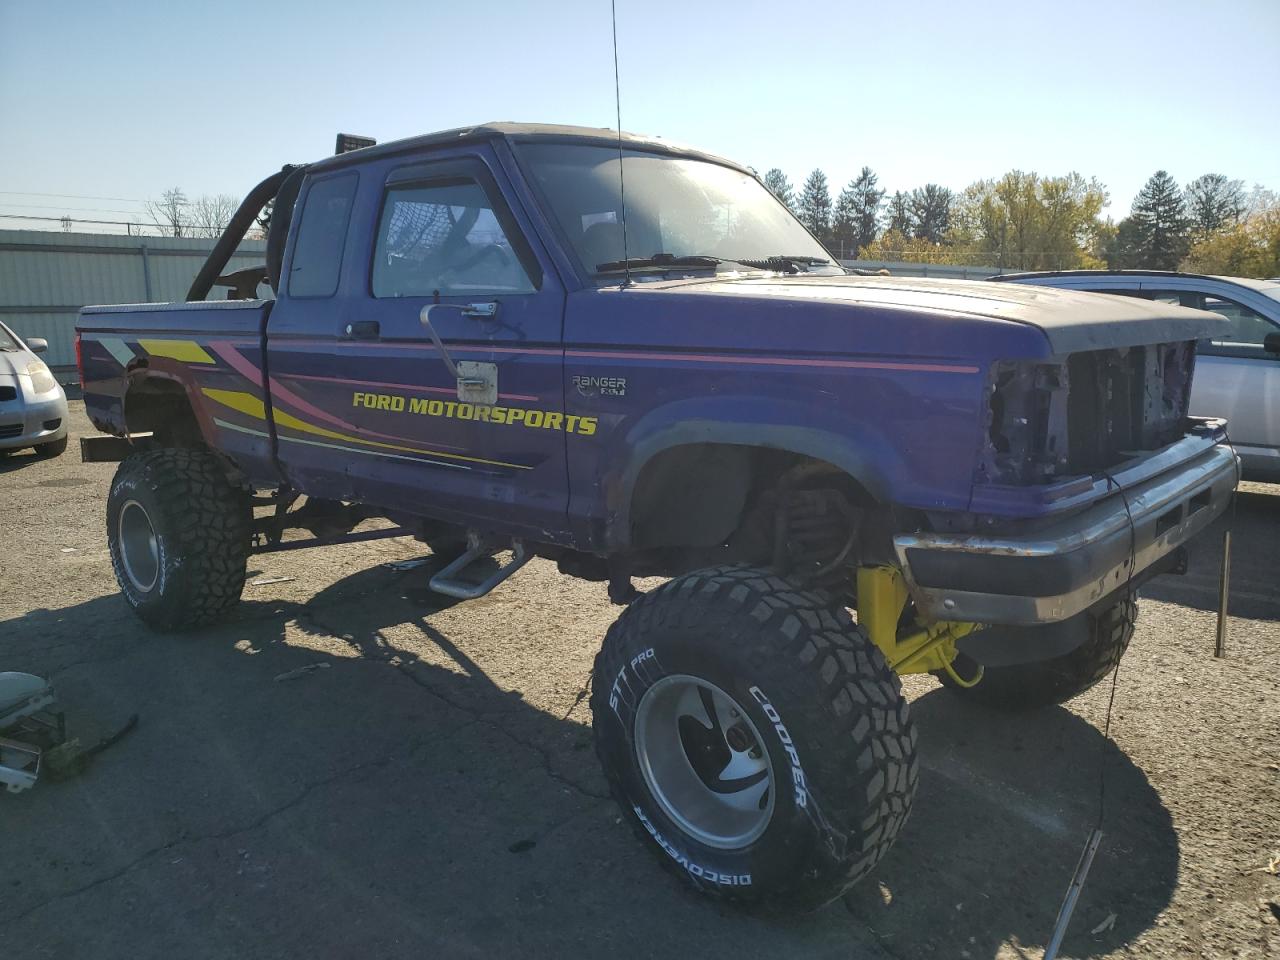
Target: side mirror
40,345
1271,343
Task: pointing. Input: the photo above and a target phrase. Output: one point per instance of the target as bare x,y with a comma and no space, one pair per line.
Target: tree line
206,216
1025,221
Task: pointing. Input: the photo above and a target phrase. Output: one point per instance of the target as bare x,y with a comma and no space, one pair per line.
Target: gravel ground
434,792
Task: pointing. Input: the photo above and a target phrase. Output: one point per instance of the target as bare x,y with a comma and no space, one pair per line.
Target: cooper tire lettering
797,772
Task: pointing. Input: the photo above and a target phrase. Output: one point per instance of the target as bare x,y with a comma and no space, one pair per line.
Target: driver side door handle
363,330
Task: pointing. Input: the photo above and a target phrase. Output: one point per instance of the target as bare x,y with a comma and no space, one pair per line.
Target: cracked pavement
435,792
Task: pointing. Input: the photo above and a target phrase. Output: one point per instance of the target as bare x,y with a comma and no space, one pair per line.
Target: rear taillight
79,361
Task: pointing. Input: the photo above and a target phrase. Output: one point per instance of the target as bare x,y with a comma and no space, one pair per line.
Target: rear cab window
321,237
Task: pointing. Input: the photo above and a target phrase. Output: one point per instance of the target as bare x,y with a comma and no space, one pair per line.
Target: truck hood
1071,320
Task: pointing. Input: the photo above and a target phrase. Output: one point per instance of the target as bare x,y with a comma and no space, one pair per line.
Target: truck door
461,419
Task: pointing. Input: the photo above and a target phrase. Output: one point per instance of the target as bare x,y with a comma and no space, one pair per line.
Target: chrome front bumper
1068,565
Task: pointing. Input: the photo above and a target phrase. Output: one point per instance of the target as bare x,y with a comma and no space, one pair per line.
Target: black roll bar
245,214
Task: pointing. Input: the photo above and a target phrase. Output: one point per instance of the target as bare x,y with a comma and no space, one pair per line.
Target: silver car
1237,377
33,406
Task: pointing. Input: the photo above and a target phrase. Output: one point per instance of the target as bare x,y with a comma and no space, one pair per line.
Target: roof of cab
522,133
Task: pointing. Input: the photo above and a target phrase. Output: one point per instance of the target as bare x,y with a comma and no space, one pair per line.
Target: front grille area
1084,413
8,393
10,430
1123,401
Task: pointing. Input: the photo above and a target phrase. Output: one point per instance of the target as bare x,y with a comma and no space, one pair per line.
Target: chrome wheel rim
704,761
139,548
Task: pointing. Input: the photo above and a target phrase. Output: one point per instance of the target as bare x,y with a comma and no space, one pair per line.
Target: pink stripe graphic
398,386
237,363
679,357
248,370
773,361
423,345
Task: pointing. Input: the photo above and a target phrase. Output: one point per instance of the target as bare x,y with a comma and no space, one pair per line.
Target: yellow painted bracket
917,647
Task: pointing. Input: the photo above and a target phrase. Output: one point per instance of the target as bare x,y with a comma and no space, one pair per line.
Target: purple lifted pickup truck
472,337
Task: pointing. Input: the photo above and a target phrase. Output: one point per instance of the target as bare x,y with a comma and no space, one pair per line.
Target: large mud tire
1031,686
179,536
819,701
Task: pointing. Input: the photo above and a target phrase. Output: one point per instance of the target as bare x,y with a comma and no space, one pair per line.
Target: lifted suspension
914,647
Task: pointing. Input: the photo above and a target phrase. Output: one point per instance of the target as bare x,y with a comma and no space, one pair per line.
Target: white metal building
45,277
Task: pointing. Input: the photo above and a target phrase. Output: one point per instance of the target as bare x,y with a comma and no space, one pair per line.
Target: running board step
447,582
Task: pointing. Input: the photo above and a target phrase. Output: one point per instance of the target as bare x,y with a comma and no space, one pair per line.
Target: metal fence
951,271
46,277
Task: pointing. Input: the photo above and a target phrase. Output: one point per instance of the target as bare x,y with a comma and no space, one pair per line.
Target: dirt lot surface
434,793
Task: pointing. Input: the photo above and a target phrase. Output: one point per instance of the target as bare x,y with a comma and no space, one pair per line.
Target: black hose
220,256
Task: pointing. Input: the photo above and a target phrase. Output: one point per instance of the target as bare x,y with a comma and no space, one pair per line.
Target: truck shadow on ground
1005,805
405,785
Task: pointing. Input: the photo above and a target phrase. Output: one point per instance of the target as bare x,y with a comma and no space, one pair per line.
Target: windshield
675,206
8,342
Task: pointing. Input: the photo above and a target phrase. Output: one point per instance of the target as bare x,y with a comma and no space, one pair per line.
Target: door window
444,238
1172,297
1177,298
322,233
1246,334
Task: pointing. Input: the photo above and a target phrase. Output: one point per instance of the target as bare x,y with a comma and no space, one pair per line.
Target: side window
322,233
1179,298
444,237
1175,297
1116,292
1245,335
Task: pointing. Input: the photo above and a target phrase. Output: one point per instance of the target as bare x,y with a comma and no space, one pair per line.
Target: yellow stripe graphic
188,351
247,403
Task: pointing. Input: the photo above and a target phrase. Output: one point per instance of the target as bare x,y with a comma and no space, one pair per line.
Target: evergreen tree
900,214
857,216
1123,251
1214,203
930,208
867,198
844,231
814,206
779,186
1160,232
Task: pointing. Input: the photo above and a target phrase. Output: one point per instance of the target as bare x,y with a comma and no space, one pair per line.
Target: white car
33,406
1237,377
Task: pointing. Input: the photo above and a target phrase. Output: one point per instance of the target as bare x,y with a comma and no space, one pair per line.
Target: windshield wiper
787,262
661,261
666,261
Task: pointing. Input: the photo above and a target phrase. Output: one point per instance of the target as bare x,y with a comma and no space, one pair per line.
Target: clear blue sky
125,99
